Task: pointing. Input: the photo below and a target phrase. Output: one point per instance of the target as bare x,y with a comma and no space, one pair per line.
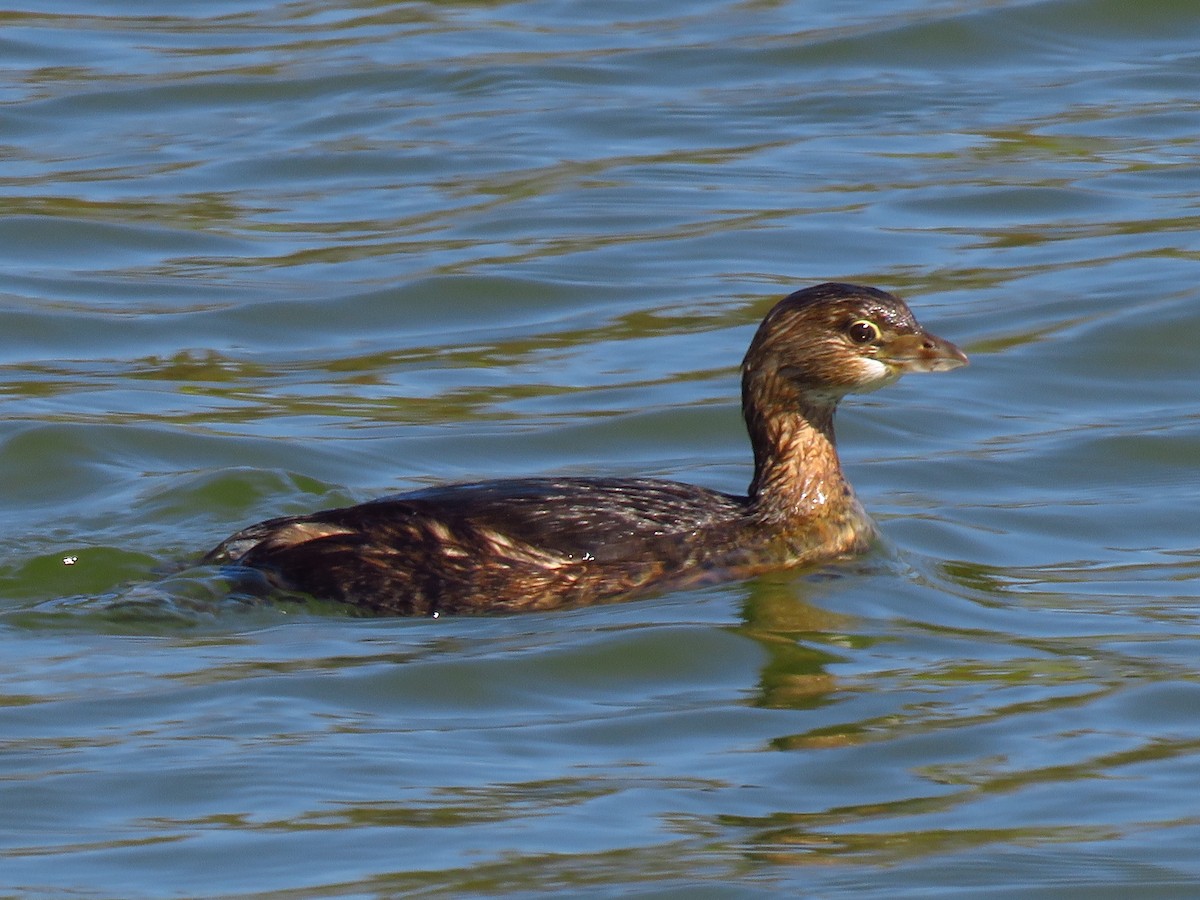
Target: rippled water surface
260,259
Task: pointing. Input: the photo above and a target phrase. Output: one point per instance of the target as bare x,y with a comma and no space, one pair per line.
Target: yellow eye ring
863,332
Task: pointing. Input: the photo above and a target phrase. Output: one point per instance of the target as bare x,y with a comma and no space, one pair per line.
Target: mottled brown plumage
540,543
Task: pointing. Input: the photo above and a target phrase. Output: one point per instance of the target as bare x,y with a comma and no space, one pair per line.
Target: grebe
540,543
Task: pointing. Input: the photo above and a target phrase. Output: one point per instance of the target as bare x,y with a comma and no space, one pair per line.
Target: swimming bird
541,543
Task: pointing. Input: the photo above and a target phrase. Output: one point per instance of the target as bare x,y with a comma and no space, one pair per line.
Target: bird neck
797,474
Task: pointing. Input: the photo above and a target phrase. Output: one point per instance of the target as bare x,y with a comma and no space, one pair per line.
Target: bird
541,543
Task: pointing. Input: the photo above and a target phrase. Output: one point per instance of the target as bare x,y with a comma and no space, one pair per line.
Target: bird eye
863,332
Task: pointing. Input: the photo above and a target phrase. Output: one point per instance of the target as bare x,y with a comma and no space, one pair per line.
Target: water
260,259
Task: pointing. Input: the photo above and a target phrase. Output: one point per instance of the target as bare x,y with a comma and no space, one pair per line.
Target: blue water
260,259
